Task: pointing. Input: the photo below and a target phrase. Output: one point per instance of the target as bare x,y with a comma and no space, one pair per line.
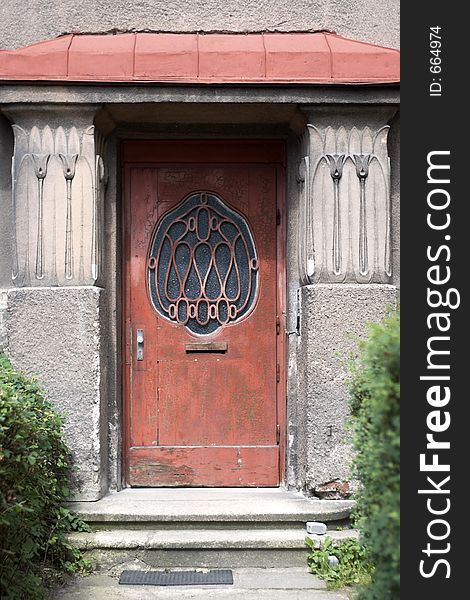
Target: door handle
140,344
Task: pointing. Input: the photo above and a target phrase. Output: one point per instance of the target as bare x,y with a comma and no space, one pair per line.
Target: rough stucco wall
333,318
24,22
61,329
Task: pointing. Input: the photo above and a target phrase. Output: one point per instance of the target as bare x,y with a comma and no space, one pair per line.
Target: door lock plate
140,344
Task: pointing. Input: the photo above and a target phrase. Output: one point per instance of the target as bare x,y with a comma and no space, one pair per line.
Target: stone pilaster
344,247
54,321
58,181
344,180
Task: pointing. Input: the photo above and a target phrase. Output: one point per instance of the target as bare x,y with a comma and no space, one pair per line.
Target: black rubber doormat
212,577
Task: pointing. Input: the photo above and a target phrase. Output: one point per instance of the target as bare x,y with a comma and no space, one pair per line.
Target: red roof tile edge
256,58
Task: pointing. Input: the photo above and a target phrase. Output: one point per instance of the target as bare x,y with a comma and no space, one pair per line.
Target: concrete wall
24,22
59,334
333,318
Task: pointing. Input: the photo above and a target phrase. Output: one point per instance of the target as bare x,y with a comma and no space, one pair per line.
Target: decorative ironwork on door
203,265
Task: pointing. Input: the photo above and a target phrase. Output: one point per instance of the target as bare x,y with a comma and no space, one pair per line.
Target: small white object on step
316,527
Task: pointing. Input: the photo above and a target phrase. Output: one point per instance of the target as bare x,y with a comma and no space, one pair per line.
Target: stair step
201,549
210,506
224,528
202,539
184,526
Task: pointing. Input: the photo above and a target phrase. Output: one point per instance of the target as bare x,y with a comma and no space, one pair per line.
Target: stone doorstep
205,527
210,505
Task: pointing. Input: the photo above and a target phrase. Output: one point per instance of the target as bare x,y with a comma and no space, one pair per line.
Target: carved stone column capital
58,181
345,197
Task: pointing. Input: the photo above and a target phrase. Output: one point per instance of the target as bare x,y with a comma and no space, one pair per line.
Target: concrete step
210,506
263,548
205,527
248,584
203,539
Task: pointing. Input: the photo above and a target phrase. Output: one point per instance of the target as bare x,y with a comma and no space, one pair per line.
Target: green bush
33,484
376,434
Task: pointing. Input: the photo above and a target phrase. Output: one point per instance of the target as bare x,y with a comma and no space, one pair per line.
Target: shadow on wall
6,152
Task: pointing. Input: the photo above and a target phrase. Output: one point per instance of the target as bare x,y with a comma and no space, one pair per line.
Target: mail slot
206,347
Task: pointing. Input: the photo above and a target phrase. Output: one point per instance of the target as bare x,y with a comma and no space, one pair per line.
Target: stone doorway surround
60,236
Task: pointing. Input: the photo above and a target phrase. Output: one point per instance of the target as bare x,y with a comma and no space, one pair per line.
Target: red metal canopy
269,58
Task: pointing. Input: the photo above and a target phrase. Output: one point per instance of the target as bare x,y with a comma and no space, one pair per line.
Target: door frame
235,152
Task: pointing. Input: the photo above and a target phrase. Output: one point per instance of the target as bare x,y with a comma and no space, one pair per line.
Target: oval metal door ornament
203,267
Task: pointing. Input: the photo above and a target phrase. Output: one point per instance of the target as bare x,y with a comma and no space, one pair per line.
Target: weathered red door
202,306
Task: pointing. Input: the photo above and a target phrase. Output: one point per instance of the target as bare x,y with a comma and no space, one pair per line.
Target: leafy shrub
33,484
354,566
375,408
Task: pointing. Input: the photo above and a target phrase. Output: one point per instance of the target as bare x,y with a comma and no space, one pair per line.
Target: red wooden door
202,306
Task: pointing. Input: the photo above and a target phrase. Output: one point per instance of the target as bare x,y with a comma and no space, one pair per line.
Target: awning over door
187,58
